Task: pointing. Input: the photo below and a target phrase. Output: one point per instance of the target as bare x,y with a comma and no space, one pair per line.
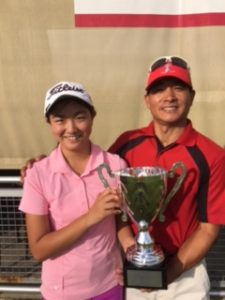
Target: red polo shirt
201,197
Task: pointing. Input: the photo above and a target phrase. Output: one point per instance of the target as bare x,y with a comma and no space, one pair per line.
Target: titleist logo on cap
64,87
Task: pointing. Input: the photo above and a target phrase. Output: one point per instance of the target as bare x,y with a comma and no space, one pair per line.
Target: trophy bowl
145,198
144,190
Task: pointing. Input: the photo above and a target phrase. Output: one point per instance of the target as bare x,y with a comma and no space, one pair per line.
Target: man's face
169,101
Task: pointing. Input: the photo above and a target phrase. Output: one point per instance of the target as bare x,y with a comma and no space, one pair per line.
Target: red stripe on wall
112,20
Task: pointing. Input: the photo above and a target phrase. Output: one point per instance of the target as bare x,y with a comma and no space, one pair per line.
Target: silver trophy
145,198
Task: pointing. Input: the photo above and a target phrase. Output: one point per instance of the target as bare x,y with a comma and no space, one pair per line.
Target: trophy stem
145,253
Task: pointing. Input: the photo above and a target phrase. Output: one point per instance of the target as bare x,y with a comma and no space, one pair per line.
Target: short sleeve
33,200
216,192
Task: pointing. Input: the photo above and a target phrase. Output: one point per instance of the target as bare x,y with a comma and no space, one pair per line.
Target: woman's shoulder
43,165
115,160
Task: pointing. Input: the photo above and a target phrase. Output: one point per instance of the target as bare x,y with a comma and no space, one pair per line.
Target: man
194,215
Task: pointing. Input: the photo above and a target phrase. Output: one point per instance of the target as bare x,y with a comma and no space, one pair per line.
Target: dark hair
68,97
181,82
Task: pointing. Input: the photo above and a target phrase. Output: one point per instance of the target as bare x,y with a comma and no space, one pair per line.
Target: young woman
70,217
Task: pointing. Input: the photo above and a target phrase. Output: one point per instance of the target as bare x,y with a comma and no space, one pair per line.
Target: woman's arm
45,243
124,233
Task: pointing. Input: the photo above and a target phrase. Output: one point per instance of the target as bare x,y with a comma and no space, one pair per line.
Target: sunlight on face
169,102
71,124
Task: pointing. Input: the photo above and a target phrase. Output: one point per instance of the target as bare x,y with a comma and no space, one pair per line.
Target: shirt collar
187,138
59,164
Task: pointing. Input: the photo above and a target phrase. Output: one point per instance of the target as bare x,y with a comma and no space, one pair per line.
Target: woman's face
71,125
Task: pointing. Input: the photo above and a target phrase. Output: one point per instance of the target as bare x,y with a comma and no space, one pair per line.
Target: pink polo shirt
51,187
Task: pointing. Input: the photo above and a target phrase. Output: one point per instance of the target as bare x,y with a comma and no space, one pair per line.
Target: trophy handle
106,184
175,188
101,176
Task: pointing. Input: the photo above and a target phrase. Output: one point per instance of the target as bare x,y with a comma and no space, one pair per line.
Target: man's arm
193,250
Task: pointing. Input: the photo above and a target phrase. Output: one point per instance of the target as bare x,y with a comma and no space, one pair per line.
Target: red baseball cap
168,66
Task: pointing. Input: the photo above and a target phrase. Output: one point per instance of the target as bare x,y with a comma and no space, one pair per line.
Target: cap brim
76,95
168,70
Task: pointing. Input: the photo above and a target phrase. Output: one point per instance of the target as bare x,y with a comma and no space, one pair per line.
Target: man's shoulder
126,137
209,146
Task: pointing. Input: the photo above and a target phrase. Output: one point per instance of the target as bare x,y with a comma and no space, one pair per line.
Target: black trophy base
146,277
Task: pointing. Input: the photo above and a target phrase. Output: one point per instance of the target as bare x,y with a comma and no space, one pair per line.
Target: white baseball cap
65,88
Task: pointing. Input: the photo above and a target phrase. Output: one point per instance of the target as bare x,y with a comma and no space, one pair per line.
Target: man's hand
119,276
29,164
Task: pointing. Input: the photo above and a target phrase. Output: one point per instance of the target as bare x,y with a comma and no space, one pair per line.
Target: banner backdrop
40,45
149,13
